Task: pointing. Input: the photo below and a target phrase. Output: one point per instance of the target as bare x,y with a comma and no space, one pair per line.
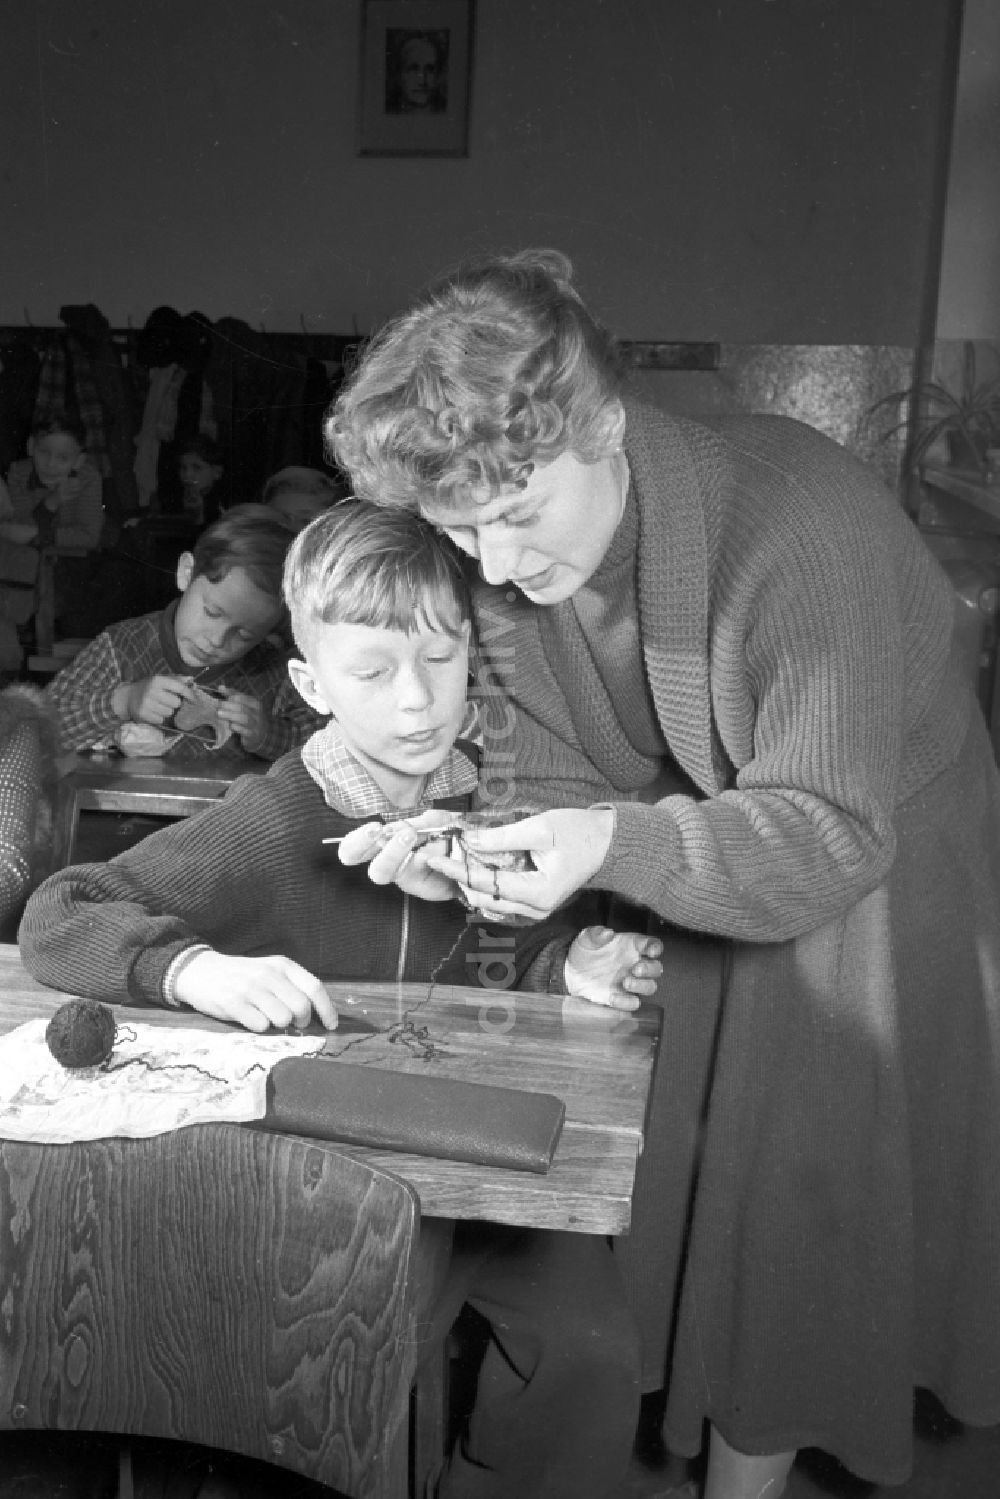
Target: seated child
300,494
202,673
243,910
55,492
52,500
200,469
27,798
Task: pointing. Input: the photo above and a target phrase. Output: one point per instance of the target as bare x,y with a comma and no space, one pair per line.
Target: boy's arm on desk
110,930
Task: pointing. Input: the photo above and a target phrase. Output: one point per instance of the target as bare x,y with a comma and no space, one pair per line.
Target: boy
210,655
241,911
300,494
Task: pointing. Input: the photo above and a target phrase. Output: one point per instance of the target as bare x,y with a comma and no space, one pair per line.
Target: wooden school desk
600,1062
150,786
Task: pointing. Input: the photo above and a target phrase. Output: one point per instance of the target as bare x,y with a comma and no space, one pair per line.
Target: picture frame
416,77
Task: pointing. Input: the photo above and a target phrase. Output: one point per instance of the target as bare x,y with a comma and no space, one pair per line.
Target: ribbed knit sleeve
109,931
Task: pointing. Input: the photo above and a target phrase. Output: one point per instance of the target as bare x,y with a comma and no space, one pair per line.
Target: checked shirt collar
349,788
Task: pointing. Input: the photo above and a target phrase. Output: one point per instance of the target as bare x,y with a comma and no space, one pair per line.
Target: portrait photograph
416,61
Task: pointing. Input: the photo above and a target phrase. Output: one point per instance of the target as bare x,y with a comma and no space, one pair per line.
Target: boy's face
297,507
398,700
220,622
55,456
197,474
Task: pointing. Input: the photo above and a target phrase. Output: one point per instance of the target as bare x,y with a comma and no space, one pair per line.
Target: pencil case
327,1099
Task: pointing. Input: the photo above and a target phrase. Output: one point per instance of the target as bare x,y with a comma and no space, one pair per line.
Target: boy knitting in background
243,910
207,671
300,494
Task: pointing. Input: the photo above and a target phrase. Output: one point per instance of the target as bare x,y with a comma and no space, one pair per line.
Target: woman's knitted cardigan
815,1221
796,637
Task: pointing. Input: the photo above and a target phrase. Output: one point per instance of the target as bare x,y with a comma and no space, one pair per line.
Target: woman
723,657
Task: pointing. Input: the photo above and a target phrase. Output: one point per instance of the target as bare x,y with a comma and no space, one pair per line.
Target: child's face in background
298,507
219,622
56,456
399,700
197,474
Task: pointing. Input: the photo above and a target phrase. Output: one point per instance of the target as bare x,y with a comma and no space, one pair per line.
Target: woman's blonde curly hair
497,367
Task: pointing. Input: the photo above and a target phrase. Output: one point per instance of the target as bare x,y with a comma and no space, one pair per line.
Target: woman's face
549,537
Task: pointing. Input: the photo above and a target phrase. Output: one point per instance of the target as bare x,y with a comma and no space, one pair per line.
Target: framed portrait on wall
416,71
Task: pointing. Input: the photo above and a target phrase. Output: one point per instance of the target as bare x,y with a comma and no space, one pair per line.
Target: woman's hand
257,993
400,860
613,968
567,848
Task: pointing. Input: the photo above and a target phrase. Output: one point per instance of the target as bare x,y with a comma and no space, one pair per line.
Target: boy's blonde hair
498,367
360,564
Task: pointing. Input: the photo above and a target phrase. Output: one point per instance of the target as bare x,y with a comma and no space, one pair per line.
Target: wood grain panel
217,1284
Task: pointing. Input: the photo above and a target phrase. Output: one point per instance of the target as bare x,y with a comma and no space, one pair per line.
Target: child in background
208,654
243,910
55,492
52,502
300,494
200,469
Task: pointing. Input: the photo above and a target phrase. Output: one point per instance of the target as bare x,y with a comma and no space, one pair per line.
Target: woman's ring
496,884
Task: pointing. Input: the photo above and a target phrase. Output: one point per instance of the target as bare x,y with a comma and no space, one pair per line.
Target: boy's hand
613,968
150,700
68,488
19,532
257,993
397,860
244,716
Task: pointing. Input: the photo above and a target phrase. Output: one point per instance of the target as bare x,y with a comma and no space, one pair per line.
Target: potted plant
965,423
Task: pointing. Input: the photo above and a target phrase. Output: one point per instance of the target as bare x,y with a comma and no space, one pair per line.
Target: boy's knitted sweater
252,877
146,646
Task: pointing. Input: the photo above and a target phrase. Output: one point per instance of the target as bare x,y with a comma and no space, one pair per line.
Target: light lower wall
831,387
969,299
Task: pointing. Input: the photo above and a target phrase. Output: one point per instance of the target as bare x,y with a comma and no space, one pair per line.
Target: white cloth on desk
156,1079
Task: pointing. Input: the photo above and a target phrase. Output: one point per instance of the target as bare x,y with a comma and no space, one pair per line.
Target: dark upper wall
742,170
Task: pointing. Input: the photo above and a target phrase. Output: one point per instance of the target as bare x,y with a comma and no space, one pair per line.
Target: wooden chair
46,658
219,1285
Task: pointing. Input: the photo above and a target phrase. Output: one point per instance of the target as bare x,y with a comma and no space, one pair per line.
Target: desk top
208,775
598,1061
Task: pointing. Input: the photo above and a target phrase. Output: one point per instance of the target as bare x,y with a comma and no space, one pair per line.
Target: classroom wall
751,171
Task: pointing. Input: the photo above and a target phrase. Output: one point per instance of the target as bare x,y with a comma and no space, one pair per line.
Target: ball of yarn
81,1033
